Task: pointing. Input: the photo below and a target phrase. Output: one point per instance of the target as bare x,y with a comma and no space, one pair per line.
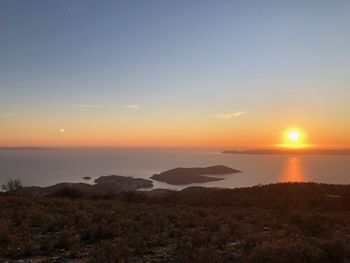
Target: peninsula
103,185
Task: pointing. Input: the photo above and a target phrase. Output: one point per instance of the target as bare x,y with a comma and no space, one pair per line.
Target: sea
44,167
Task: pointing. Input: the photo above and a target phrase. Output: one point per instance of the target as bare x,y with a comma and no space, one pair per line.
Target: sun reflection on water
293,171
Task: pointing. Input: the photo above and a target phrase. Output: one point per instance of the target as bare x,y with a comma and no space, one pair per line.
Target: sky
161,73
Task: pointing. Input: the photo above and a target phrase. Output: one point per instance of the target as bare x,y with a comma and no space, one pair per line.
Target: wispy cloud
132,106
111,107
7,114
69,10
228,116
93,106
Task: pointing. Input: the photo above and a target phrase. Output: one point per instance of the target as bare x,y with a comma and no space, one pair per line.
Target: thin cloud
92,106
7,114
132,106
228,116
69,10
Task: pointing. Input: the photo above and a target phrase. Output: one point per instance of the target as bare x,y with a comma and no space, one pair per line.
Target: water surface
46,167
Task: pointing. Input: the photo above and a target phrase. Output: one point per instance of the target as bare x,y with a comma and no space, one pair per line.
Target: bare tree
12,185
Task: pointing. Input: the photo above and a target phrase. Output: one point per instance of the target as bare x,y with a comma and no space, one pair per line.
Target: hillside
105,184
273,223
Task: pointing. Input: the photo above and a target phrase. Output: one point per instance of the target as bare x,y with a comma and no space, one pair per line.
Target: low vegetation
12,185
274,223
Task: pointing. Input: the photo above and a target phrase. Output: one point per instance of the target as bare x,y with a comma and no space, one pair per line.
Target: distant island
86,178
111,184
27,148
291,151
181,176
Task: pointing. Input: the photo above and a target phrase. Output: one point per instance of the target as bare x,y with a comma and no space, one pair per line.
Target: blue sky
178,60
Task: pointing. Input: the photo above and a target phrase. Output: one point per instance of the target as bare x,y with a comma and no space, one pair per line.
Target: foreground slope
274,223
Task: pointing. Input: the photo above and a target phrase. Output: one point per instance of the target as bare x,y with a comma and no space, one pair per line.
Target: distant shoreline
289,151
27,148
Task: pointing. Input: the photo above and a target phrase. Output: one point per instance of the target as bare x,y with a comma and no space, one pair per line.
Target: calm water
48,167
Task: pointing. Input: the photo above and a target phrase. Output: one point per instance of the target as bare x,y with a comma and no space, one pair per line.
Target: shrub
335,249
5,234
285,251
12,185
108,251
69,192
29,246
47,245
67,238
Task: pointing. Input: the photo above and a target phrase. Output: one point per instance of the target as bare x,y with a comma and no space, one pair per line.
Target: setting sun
294,136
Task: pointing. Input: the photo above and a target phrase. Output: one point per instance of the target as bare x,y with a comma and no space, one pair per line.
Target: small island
182,176
86,178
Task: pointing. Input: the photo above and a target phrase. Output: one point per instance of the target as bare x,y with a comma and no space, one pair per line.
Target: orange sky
242,132
220,74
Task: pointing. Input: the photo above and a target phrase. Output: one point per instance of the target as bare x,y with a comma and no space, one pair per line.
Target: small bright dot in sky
61,130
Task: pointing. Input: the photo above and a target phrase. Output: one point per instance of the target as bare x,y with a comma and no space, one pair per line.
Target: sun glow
294,138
